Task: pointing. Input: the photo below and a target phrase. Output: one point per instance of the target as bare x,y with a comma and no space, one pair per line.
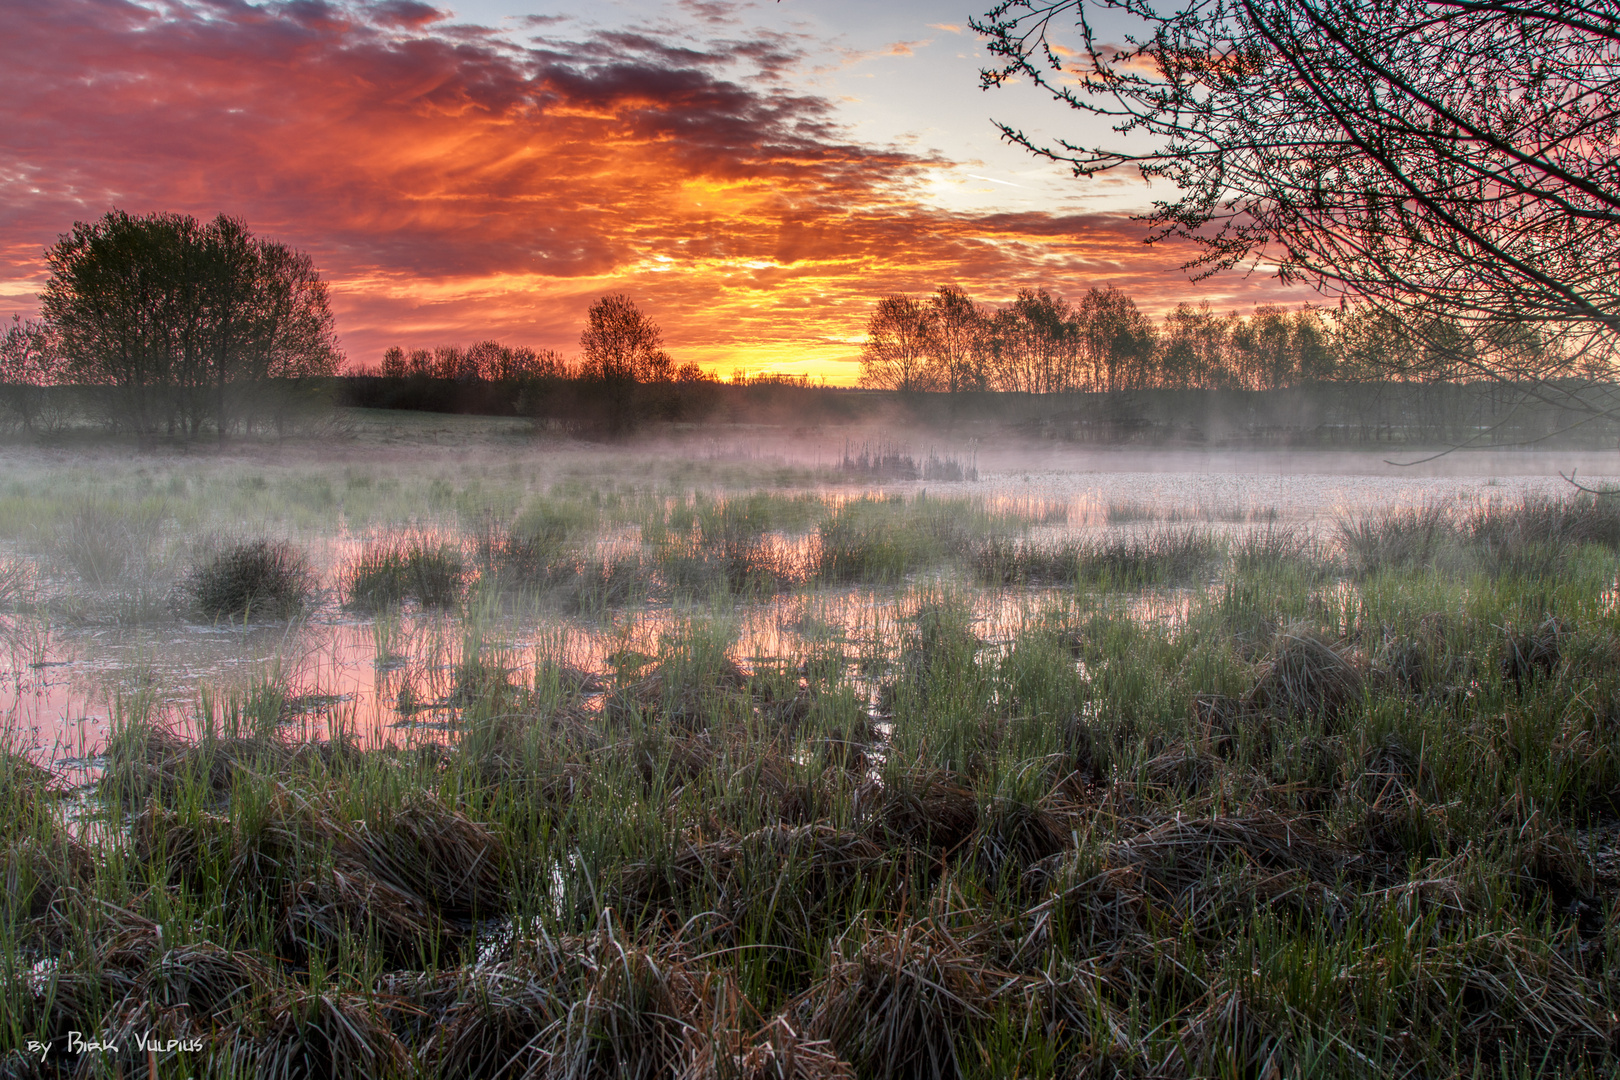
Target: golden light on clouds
453,184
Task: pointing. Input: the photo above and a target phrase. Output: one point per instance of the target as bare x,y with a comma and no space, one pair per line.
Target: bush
269,578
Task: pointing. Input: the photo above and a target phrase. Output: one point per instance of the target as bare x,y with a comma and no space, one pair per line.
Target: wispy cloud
451,182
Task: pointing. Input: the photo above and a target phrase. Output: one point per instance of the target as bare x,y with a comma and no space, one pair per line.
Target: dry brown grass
899,1004
919,808
454,864
36,873
1534,652
315,1035
1305,676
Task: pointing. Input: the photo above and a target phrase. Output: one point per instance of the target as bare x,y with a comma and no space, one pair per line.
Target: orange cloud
452,183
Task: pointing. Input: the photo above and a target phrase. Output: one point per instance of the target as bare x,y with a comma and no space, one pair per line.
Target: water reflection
399,676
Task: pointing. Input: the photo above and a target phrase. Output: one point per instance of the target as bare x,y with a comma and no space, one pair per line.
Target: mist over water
393,676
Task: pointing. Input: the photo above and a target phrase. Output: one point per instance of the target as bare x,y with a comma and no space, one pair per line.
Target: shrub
269,578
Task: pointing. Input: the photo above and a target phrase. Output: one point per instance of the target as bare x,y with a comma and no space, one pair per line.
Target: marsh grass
107,543
18,584
1533,537
1160,557
1337,819
402,567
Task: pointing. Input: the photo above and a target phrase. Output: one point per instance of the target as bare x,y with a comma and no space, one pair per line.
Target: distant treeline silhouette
1095,371
1041,343
165,325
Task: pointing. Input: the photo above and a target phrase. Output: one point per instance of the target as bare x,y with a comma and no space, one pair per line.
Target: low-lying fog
70,661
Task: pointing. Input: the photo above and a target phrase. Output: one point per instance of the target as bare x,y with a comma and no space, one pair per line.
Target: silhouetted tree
620,348
1193,348
1312,343
620,344
1115,339
1035,344
895,355
958,340
177,316
1261,349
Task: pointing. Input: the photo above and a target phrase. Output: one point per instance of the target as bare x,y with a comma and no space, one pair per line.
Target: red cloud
451,183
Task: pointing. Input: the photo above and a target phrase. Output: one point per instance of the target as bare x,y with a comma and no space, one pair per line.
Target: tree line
622,378
167,324
619,344
1041,343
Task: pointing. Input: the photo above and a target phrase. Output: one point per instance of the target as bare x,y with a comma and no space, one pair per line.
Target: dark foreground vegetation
1351,812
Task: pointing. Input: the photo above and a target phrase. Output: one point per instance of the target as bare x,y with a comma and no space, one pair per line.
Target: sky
753,174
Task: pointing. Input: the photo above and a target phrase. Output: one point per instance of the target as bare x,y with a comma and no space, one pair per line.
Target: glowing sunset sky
753,174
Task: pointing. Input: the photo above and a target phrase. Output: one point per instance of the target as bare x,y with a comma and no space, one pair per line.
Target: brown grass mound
793,880
775,1052
25,789
36,873
1214,874
1174,855
207,980
147,763
675,759
919,808
405,880
1422,661
1094,910
439,854
319,915
1527,654
1488,990
1011,837
684,698
1216,720
316,1036
633,1013
1307,677
178,850
902,1004
492,1022
1228,1036
1179,769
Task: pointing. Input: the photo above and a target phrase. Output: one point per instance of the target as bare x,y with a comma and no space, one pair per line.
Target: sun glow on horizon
462,186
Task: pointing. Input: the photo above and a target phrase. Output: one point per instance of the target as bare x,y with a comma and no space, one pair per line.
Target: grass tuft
265,578
405,567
